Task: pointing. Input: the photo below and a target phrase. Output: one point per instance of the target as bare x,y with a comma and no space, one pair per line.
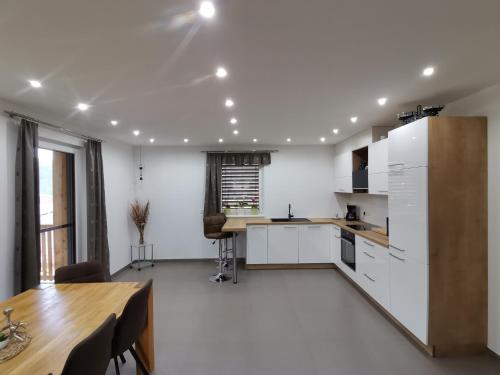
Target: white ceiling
296,68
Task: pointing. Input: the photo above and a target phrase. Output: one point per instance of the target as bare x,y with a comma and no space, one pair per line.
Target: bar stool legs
223,265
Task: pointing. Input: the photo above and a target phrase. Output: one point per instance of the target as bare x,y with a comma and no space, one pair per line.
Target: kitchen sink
287,220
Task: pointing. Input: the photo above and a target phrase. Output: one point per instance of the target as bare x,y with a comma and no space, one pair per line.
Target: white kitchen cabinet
343,184
343,165
409,301
335,247
378,183
283,244
372,265
408,212
378,157
408,145
257,244
314,243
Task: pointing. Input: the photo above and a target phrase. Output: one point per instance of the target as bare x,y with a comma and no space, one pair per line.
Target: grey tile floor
304,322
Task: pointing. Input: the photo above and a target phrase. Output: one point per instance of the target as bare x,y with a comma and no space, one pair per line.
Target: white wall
7,209
487,103
118,163
174,183
373,208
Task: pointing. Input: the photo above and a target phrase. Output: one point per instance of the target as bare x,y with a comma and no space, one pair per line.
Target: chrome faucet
290,216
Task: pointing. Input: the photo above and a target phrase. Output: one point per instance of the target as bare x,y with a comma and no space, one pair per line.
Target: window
241,187
57,215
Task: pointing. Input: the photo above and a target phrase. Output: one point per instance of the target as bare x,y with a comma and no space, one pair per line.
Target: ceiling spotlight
207,9
289,140
322,139
382,101
221,140
335,131
186,140
221,72
427,72
35,84
136,133
233,121
354,119
255,140
82,107
151,140
229,103
114,122
236,132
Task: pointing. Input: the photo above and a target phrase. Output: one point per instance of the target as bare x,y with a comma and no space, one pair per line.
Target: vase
141,235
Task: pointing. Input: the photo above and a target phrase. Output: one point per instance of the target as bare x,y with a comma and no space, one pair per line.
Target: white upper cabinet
378,157
343,184
257,244
283,244
408,145
343,165
408,213
314,243
378,183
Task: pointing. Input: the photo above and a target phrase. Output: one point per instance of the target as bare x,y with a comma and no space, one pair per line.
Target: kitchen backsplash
372,208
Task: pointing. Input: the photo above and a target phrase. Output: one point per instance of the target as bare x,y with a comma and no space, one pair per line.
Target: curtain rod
53,127
238,151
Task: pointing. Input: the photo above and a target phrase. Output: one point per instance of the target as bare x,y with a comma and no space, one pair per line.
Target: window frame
247,212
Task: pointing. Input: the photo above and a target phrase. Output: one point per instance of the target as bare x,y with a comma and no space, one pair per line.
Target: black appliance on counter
348,249
352,213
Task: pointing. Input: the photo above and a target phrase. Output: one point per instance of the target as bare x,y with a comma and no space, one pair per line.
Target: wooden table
60,316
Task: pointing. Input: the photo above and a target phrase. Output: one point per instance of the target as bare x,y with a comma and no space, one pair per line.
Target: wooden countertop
240,225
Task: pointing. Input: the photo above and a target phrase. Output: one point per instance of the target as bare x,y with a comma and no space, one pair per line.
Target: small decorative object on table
13,337
140,215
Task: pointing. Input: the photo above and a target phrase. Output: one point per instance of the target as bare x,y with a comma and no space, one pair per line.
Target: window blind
240,186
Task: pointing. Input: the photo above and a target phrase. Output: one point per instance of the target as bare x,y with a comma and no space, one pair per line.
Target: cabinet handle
395,257
369,244
290,227
394,163
314,226
368,277
383,191
337,237
397,248
368,255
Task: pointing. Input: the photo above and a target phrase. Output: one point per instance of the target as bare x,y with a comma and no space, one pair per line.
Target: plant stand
141,260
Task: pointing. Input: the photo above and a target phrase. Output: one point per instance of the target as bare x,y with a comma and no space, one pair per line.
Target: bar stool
212,229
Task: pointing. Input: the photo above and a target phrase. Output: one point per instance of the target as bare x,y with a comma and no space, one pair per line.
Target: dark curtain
27,251
97,226
213,175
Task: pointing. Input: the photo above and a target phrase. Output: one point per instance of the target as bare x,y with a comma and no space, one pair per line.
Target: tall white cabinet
378,168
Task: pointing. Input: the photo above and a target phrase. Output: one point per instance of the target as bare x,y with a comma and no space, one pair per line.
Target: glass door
57,211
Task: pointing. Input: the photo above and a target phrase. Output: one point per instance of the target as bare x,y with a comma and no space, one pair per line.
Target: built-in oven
348,249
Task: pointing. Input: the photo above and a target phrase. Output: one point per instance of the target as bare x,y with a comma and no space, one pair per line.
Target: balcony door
57,211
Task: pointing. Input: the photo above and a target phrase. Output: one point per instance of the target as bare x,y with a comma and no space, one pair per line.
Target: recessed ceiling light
233,121
229,103
136,133
151,140
427,72
354,119
289,140
255,140
221,140
221,72
35,84
207,9
186,140
82,106
335,131
322,139
114,122
381,101
236,132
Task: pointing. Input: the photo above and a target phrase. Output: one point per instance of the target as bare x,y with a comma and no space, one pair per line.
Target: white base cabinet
257,244
283,244
335,246
314,243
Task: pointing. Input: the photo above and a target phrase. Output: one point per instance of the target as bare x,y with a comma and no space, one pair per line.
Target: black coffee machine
352,213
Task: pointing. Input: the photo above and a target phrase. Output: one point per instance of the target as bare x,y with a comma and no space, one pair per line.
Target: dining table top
58,317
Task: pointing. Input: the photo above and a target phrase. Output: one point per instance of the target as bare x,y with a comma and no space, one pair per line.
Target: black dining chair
91,356
85,272
130,326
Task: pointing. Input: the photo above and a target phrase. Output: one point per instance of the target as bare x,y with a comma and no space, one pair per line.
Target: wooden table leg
145,347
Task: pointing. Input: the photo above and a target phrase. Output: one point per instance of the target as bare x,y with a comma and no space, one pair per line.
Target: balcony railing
53,251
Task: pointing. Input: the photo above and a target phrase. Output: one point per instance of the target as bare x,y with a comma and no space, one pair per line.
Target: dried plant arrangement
140,215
